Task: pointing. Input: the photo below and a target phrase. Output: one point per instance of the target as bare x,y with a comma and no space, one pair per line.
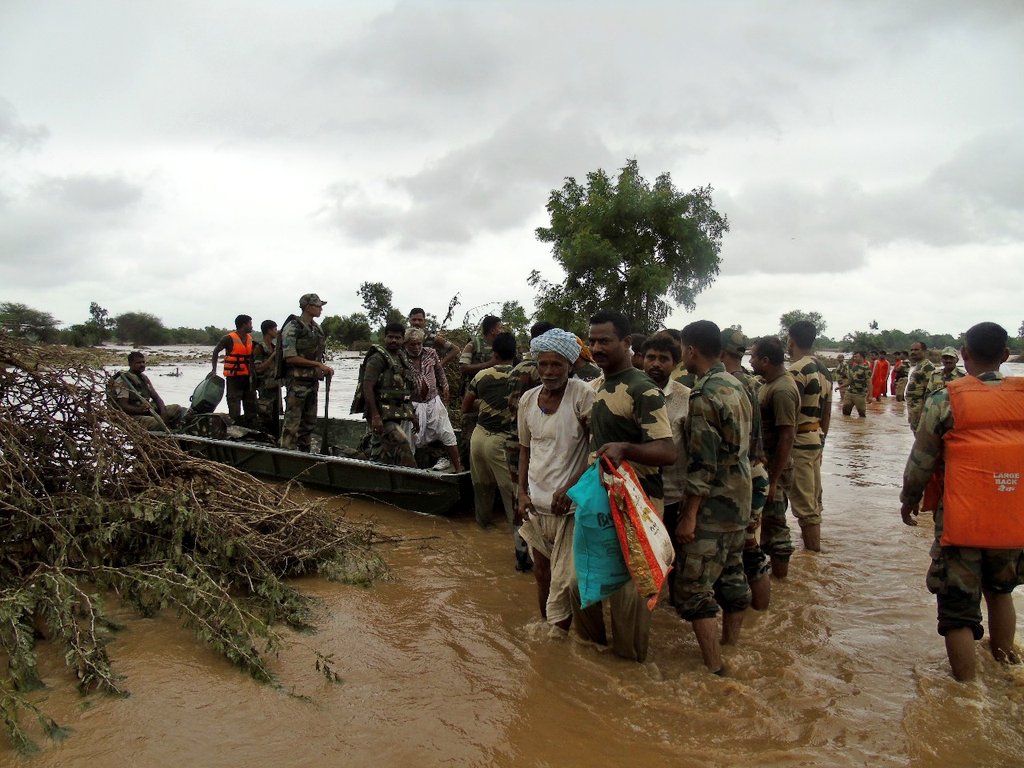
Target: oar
324,446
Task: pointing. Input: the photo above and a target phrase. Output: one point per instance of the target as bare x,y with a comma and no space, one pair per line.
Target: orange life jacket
983,497
237,359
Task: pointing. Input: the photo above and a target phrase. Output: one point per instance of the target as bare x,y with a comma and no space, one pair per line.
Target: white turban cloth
556,340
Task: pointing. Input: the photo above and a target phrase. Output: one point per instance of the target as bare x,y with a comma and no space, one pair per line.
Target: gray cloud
16,134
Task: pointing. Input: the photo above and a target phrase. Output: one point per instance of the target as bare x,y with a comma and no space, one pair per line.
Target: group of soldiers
720,452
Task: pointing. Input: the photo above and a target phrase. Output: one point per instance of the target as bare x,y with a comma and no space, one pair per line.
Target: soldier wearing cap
947,373
755,561
303,346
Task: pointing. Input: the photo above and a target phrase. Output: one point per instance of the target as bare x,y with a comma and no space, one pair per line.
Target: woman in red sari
880,376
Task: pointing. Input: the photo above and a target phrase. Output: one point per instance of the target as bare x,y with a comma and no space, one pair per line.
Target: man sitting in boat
134,393
429,398
384,395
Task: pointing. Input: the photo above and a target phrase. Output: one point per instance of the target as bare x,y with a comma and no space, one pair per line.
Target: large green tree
786,319
376,298
140,328
24,322
347,329
628,245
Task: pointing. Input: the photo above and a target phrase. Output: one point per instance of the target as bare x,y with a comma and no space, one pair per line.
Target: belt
811,426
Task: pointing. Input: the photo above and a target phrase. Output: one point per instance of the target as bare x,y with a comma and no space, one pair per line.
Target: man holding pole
303,346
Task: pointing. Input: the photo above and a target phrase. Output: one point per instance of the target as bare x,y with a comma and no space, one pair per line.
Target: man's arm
826,412
469,402
924,455
656,453
783,449
222,345
524,505
442,379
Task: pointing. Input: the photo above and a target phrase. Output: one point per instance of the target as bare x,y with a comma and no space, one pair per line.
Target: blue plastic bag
600,567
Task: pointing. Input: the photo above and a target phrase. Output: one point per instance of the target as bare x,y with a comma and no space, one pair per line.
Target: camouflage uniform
629,408
392,380
480,353
841,374
857,384
522,377
779,403
709,570
902,372
939,379
683,376
137,389
488,462
308,341
587,372
815,386
755,562
268,405
917,388
957,575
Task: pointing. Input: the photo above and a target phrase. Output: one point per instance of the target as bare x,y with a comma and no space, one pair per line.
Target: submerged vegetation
92,507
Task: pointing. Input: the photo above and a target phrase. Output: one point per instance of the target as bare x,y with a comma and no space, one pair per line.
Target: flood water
448,663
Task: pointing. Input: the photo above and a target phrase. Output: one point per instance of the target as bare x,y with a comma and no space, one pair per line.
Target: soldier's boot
780,567
812,537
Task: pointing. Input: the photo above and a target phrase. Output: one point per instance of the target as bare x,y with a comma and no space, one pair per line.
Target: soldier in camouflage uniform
814,382
629,421
487,397
755,561
779,404
856,385
947,373
959,576
476,356
303,346
917,382
901,374
841,374
268,403
384,395
711,531
134,393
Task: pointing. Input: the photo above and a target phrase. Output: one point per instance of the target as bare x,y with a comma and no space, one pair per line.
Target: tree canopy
23,322
376,299
140,328
628,244
786,319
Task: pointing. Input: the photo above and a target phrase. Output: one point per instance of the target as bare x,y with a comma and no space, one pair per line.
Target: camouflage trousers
755,561
775,538
392,445
268,406
300,414
172,418
901,389
238,392
851,401
709,574
957,577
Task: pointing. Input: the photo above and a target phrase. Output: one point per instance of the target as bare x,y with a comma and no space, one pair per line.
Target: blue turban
557,340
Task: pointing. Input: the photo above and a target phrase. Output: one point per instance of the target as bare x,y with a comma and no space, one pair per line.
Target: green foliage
93,505
1020,331
896,340
786,319
347,330
23,322
140,328
515,320
376,298
627,244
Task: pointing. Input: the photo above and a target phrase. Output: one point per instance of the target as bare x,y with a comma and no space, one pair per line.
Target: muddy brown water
448,664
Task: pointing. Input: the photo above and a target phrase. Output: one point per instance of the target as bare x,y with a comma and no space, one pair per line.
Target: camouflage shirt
939,379
683,376
752,385
490,387
903,369
136,388
630,408
718,446
858,379
677,403
917,388
842,373
308,341
814,384
926,455
587,372
521,378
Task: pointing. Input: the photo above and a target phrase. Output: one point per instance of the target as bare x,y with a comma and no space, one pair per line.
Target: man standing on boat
446,351
238,370
384,395
303,346
268,404
971,434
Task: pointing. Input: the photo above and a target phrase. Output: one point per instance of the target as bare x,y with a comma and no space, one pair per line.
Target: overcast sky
201,159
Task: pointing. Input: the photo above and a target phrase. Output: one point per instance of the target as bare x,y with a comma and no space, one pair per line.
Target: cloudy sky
200,159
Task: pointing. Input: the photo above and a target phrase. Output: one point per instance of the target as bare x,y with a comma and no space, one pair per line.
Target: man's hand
772,487
523,509
377,424
686,528
560,502
616,452
908,513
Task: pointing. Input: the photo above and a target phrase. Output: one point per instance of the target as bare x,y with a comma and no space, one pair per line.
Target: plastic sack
646,544
600,569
